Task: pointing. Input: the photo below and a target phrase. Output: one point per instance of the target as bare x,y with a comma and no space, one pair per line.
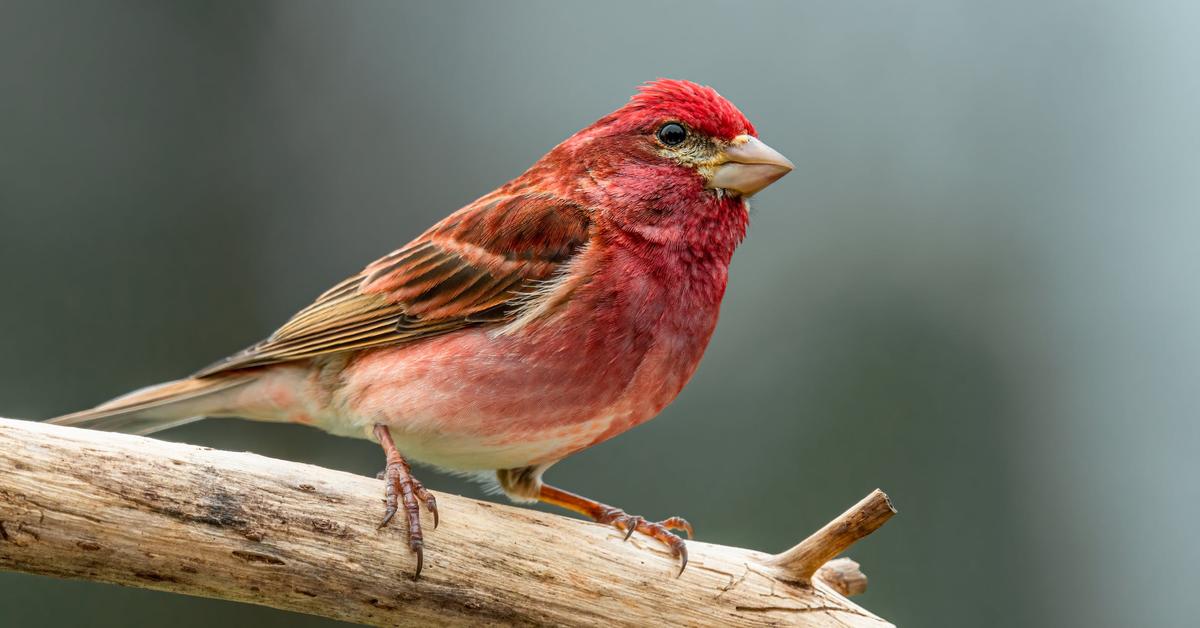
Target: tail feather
157,407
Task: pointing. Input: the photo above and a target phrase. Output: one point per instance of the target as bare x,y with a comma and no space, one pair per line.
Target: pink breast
571,380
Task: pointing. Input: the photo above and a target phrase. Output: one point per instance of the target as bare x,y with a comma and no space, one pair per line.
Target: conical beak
748,166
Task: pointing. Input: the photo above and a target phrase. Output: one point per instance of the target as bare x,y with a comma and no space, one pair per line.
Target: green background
978,290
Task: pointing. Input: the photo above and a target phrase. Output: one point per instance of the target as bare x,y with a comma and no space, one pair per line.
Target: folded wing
476,267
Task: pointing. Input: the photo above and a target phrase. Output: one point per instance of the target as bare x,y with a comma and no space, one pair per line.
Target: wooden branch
237,526
844,575
835,537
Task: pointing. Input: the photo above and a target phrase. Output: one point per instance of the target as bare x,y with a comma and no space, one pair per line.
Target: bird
565,307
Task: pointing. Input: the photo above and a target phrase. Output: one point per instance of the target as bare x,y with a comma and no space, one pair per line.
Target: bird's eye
672,134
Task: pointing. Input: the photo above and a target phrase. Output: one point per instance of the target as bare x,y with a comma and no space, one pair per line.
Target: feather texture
477,266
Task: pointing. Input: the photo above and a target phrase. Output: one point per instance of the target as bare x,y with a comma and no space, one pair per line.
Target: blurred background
978,290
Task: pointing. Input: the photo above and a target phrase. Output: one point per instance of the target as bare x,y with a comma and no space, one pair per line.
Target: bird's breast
612,357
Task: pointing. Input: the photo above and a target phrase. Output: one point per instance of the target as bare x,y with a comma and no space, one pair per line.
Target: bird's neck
657,216
689,256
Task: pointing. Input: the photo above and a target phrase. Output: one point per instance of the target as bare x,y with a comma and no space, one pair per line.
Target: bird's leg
618,518
404,489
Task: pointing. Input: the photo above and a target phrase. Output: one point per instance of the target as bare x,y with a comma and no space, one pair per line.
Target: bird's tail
159,407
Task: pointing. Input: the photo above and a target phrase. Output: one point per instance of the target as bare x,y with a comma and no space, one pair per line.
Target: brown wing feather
466,270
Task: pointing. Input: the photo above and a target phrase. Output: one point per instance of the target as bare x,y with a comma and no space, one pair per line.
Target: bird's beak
747,166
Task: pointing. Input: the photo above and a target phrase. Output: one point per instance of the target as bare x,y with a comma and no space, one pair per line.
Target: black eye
672,134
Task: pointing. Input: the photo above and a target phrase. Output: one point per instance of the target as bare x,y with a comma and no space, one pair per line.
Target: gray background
978,290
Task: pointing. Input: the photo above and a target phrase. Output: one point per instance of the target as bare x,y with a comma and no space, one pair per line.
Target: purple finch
565,307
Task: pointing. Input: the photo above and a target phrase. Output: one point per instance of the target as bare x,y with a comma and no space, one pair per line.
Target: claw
679,523
631,523
419,550
387,516
430,502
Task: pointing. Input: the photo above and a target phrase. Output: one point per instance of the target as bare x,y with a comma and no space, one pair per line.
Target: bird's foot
403,490
658,530
627,523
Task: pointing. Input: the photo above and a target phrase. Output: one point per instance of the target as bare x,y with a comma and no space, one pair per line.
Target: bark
158,515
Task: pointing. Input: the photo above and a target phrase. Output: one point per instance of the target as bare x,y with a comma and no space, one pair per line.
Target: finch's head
687,129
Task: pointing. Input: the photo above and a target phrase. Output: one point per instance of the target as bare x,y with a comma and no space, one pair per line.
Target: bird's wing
470,269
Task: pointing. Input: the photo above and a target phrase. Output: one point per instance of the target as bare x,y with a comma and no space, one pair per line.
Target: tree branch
237,526
835,537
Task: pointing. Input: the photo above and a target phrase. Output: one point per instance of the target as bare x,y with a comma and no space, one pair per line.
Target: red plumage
700,106
567,306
